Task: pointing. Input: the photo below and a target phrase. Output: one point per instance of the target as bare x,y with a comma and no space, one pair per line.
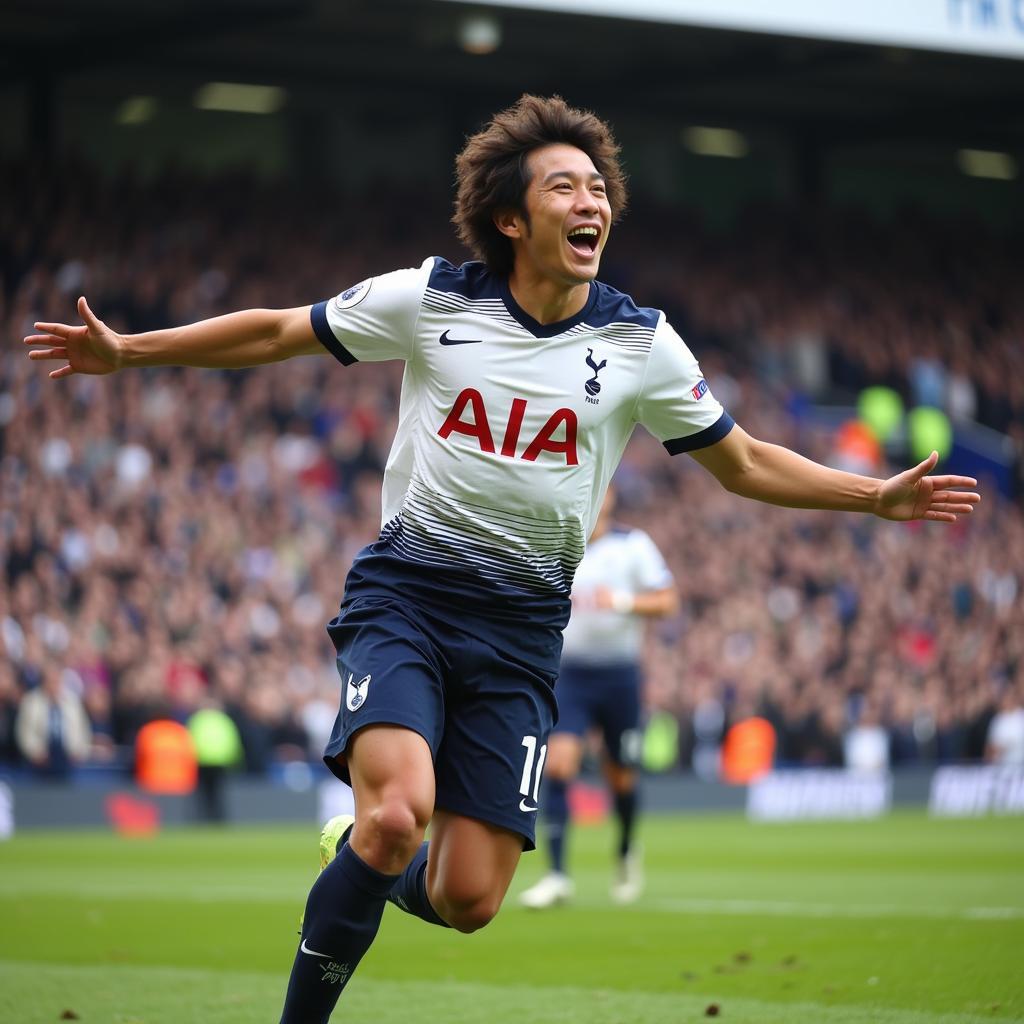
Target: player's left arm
652,592
768,472
656,603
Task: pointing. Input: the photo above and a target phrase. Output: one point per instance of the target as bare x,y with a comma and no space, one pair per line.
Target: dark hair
491,170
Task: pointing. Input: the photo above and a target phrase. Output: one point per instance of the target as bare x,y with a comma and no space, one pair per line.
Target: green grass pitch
905,920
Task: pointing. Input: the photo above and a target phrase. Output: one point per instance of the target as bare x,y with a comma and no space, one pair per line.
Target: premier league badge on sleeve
353,296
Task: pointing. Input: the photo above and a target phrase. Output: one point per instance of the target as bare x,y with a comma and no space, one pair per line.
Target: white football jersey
623,561
509,430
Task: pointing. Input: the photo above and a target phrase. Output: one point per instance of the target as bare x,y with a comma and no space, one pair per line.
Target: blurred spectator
866,743
165,758
10,697
218,749
823,741
1005,743
748,748
97,703
52,728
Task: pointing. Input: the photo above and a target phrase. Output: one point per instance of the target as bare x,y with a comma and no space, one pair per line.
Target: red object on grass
131,816
588,804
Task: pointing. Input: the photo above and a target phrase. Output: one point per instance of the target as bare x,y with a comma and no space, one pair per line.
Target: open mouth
583,240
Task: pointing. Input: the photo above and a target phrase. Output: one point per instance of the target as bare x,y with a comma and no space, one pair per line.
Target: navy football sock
409,893
343,913
556,818
625,811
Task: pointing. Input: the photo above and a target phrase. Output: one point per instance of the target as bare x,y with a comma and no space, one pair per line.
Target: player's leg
392,776
628,881
470,867
384,742
565,753
619,717
459,878
489,769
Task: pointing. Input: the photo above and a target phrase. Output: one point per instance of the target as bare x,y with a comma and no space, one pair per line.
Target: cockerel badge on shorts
355,693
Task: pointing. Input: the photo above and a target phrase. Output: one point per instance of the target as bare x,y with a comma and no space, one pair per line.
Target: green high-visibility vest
215,738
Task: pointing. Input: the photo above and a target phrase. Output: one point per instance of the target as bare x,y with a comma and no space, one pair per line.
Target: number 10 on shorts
532,769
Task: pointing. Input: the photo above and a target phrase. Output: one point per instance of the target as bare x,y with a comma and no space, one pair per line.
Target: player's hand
608,600
913,494
92,348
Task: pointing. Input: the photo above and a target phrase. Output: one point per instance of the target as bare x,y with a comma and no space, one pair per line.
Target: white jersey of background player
618,565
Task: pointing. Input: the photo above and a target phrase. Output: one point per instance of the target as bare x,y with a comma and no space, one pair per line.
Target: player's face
569,216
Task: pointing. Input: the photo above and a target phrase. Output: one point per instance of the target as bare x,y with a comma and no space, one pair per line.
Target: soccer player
621,581
524,378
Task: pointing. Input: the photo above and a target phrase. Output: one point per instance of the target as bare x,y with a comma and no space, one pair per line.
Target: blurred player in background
621,583
524,379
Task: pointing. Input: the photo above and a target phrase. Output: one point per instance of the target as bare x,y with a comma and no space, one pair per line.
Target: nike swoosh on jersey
524,806
445,340
313,952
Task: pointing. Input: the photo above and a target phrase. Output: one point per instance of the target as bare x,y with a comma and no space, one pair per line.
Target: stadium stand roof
349,50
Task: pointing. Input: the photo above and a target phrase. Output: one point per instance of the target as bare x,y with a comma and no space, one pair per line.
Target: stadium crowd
173,539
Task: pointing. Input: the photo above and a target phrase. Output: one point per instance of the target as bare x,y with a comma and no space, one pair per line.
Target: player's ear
510,223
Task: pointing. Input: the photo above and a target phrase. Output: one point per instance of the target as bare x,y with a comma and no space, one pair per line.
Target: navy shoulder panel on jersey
472,280
604,306
615,307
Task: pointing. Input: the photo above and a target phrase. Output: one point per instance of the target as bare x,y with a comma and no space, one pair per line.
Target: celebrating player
621,581
524,378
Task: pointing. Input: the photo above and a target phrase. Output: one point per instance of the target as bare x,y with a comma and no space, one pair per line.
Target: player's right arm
247,338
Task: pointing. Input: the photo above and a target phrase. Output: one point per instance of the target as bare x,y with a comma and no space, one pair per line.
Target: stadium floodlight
986,163
136,110
715,141
479,33
240,98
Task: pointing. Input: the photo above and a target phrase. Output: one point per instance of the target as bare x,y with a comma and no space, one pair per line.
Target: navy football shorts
606,696
485,715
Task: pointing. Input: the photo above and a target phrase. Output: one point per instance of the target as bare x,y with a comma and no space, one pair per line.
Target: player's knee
471,916
622,780
563,761
466,905
394,829
561,771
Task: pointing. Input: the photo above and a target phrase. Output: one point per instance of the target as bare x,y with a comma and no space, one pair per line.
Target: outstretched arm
247,338
770,473
655,604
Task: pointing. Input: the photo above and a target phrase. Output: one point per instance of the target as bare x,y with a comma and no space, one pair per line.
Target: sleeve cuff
703,438
322,329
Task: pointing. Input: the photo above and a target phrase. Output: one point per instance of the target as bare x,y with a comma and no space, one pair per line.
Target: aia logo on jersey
355,693
699,390
469,417
593,386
